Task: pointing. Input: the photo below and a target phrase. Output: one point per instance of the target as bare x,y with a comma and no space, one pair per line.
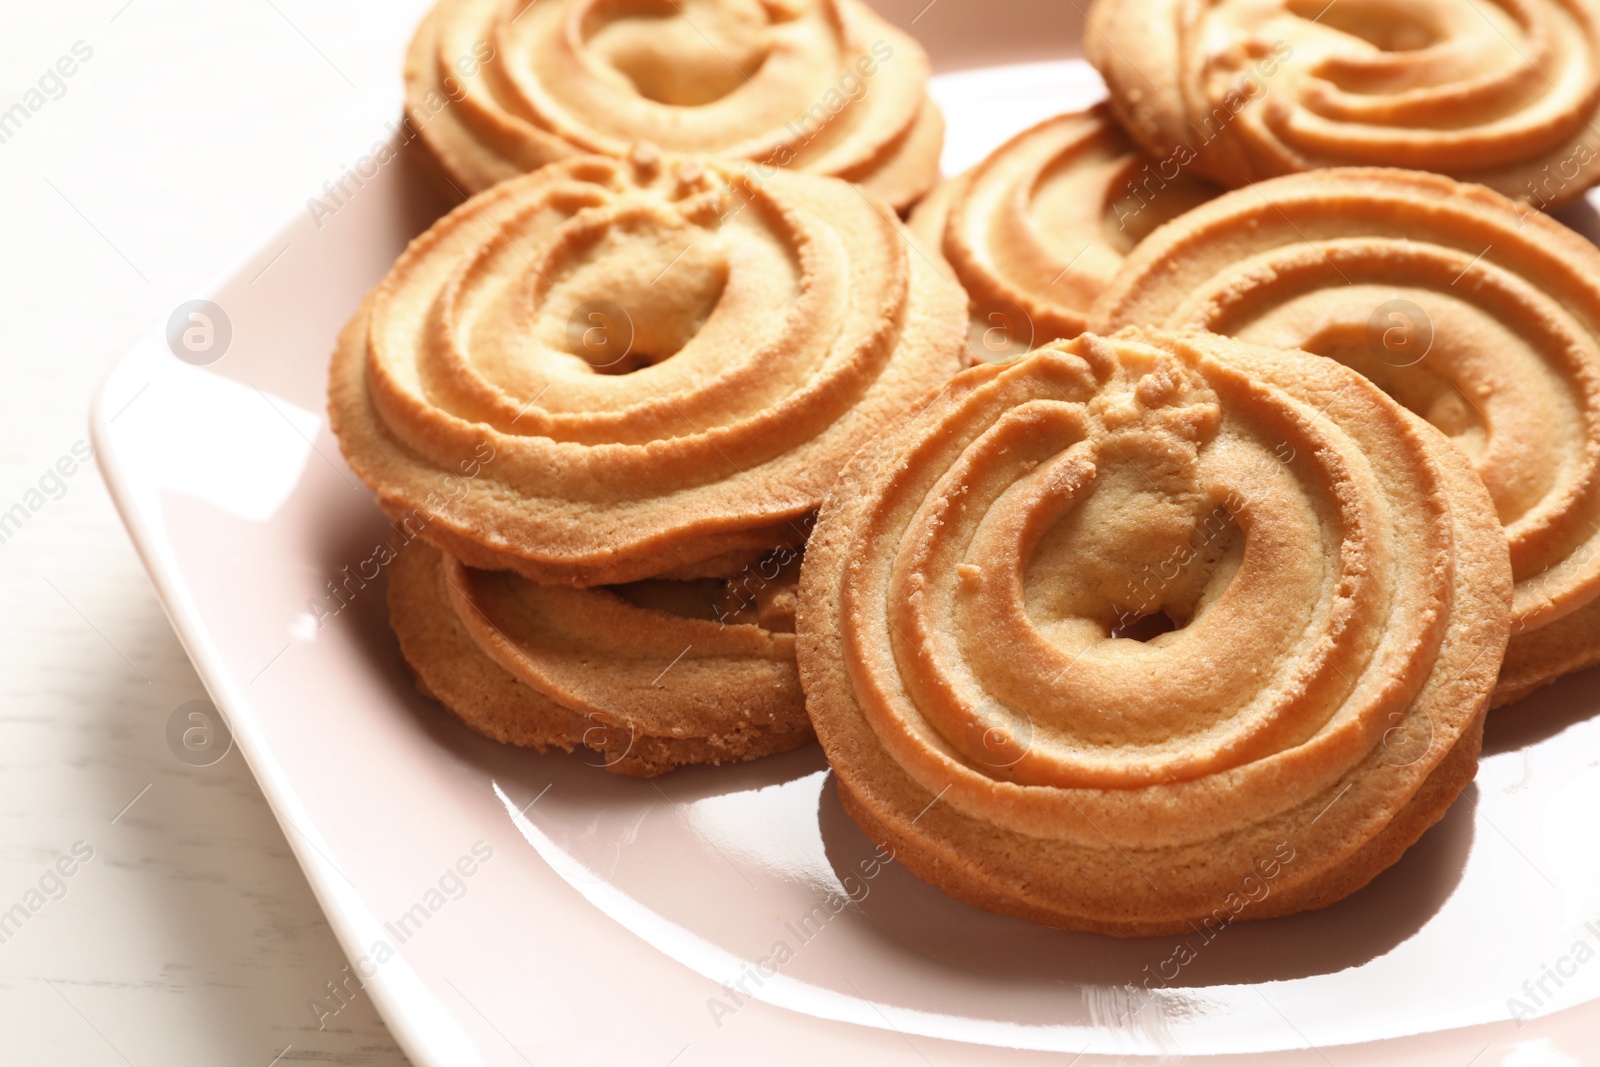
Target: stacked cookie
656,368
1186,605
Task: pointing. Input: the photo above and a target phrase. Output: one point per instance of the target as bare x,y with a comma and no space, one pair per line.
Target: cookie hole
1133,559
1145,627
662,284
675,62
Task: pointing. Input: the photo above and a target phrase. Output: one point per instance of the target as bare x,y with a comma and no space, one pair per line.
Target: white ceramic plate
602,917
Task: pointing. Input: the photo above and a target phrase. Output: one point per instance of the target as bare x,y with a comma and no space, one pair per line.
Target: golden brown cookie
1501,92
500,87
1476,313
1035,231
649,676
1311,593
612,370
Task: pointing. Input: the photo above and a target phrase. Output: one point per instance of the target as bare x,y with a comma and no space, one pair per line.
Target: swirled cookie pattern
614,370
979,661
1476,313
1505,93
645,677
1035,231
501,87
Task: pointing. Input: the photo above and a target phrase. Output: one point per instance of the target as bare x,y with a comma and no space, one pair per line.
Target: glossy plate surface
614,921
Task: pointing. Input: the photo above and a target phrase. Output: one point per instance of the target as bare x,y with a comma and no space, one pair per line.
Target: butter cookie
1035,231
1151,633
647,677
1475,312
1505,93
611,370
496,88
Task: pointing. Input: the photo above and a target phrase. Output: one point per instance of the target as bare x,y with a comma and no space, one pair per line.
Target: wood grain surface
185,134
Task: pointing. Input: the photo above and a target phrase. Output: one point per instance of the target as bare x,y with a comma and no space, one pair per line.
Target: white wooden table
157,143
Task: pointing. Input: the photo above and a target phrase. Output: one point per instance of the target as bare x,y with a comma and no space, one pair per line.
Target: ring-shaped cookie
1505,93
496,88
1476,313
647,677
1037,230
977,660
614,370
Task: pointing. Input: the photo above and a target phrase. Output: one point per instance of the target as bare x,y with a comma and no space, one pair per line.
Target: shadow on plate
906,914
1391,909
522,771
1543,714
1582,217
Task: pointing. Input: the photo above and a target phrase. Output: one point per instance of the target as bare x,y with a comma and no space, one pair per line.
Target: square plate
502,907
